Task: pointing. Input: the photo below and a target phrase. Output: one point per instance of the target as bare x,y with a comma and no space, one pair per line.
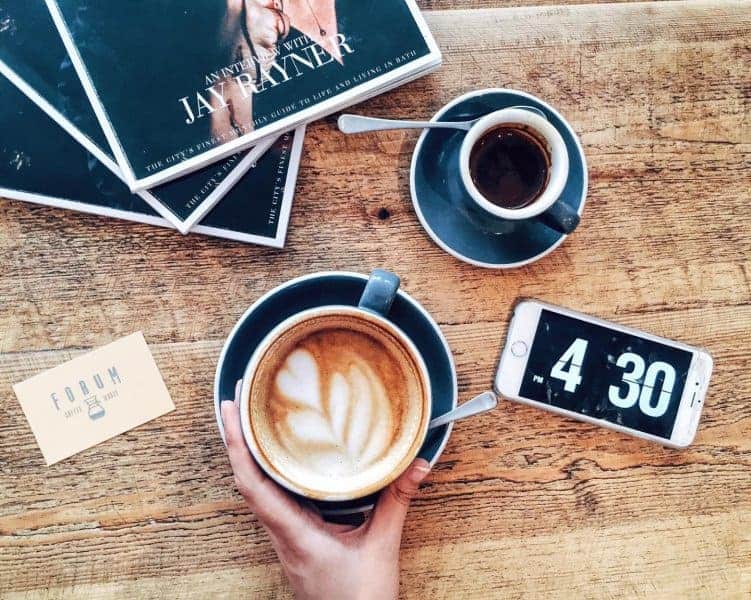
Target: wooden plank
522,503
474,570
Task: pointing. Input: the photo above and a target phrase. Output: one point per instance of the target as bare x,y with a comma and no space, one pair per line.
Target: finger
242,113
268,37
266,3
282,24
221,123
273,507
391,509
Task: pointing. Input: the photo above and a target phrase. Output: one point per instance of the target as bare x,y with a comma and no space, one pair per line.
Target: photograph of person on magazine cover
175,80
251,31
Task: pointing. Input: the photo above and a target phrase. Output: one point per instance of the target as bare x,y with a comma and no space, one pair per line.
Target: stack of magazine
188,115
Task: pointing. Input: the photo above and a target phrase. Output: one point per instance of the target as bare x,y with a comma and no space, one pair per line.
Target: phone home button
518,348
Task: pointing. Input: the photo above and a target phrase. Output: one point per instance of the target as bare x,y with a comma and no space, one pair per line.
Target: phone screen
605,374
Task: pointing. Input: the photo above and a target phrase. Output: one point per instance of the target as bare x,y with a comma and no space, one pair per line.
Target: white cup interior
559,163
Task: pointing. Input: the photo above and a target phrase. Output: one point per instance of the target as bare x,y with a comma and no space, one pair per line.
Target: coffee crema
336,405
510,166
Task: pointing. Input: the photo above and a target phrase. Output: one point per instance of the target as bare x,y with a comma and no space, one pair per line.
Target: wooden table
522,503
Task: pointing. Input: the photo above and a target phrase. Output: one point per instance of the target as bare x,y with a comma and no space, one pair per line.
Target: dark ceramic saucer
321,289
436,187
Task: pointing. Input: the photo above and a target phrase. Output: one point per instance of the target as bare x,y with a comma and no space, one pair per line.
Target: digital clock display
605,374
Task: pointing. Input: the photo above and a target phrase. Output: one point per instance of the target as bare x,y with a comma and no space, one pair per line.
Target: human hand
232,117
264,20
321,559
266,24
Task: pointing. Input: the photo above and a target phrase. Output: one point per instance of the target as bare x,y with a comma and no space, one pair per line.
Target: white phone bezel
513,363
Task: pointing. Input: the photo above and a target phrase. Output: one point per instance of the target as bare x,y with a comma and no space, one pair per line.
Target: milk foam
339,426
337,406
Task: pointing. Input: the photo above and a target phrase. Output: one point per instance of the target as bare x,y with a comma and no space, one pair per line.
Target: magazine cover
41,163
34,58
177,85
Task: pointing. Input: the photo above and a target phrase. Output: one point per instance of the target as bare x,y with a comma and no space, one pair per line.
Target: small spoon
360,124
479,404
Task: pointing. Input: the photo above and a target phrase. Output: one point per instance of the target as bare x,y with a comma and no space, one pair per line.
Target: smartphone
602,373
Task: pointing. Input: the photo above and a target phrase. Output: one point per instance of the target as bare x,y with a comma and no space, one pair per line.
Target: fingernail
419,471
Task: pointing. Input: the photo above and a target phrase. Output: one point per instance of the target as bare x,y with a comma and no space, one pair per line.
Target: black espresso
509,166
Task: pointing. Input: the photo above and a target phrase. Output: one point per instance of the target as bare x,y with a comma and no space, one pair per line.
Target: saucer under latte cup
340,288
547,207
336,399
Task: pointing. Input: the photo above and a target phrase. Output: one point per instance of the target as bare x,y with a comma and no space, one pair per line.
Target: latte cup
547,208
336,400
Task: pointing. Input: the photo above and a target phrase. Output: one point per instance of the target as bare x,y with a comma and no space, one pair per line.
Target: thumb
391,509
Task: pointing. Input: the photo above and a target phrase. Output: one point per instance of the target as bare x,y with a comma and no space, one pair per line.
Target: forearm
230,31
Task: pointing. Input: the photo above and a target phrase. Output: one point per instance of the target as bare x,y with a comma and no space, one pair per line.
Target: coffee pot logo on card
88,395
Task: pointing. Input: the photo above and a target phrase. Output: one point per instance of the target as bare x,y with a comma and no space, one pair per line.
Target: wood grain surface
522,503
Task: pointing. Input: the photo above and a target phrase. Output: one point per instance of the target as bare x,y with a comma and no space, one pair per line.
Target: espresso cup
336,400
547,207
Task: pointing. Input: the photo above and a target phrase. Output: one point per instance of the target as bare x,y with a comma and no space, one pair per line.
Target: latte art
337,404
337,421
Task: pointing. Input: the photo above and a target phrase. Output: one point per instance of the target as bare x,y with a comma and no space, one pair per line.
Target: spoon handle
479,404
360,124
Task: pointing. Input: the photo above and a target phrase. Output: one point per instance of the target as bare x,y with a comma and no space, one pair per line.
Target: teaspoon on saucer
479,404
361,124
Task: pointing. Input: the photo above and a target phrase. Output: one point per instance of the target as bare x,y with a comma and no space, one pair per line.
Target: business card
93,397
